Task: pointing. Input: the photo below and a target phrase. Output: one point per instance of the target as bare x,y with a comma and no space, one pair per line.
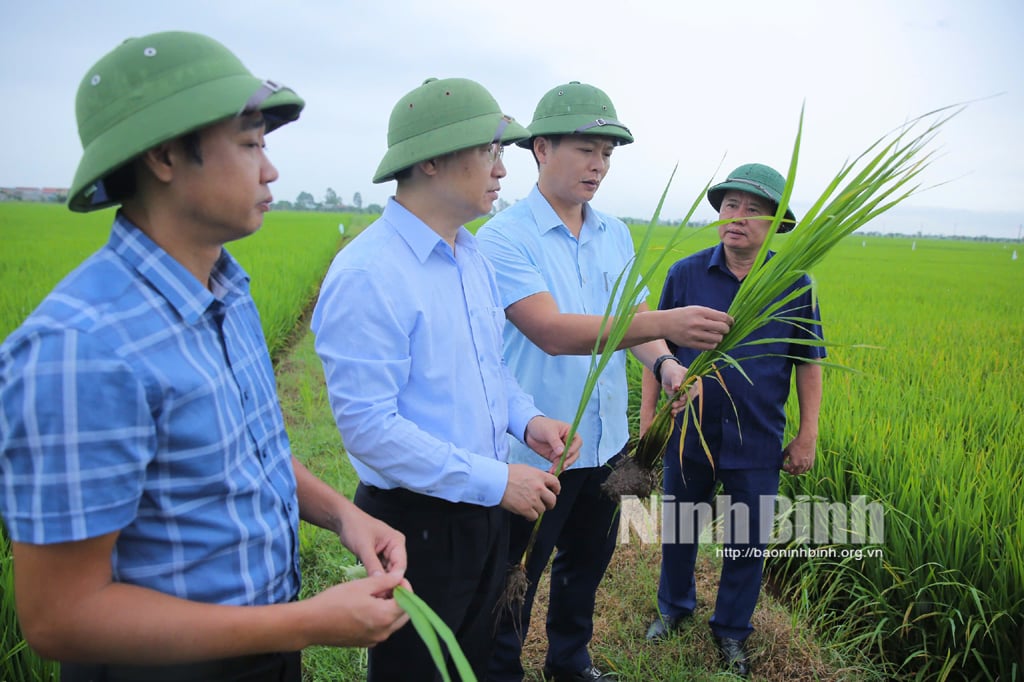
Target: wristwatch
656,368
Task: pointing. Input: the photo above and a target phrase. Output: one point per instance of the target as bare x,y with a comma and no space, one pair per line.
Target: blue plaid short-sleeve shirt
136,400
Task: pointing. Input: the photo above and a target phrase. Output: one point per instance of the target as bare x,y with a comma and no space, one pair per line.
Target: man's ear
541,149
428,167
160,160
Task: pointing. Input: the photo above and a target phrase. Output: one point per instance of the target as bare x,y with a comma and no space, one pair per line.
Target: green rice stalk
618,316
428,625
889,166
432,630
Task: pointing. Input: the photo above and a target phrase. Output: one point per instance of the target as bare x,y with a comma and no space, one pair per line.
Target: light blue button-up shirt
409,333
533,251
136,400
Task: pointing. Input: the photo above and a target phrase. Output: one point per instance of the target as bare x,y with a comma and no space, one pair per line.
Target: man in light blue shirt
409,328
557,260
149,488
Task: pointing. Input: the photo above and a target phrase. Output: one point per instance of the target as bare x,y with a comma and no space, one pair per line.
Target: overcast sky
708,85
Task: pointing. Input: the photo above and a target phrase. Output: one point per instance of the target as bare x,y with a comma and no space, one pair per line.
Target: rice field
930,425
290,253
287,259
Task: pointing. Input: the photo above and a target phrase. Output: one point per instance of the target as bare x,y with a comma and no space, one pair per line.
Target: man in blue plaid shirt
149,488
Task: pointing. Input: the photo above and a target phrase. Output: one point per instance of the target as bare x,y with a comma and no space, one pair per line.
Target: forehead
741,196
250,121
596,140
241,123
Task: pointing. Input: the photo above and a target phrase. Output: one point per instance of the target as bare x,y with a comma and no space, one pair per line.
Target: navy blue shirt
746,431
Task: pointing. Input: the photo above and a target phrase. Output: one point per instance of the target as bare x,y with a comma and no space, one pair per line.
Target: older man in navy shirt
744,428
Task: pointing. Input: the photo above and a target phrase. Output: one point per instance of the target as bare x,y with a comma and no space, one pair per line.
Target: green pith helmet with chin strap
440,117
153,89
576,109
759,180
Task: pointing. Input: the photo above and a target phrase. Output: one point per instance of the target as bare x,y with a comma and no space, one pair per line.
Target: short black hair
555,140
121,183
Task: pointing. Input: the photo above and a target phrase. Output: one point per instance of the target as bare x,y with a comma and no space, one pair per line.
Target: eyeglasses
495,151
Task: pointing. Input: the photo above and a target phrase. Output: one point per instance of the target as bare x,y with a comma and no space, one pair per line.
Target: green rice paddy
930,424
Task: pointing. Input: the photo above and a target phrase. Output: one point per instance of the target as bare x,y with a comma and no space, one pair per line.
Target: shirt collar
171,279
548,220
717,259
420,238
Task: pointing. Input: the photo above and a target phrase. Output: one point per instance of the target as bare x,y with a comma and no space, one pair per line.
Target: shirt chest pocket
488,326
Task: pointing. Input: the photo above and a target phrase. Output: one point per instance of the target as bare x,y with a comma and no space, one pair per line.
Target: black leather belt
414,500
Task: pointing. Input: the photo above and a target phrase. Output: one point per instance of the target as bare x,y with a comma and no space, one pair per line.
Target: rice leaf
887,169
430,627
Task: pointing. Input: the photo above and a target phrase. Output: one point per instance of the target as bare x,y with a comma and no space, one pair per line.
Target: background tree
305,201
330,199
357,200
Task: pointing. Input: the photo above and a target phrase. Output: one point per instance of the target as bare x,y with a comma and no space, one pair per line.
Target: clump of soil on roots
629,477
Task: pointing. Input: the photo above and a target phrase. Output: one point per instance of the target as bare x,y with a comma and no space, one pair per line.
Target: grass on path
783,647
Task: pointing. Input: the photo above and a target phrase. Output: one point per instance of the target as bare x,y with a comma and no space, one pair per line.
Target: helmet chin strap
598,122
266,89
502,124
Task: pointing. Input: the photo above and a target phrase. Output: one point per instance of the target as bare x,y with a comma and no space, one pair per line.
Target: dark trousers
743,559
584,527
283,667
457,557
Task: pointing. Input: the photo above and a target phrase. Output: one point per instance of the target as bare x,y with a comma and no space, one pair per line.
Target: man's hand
798,456
697,327
530,491
360,613
672,376
546,437
376,544
691,394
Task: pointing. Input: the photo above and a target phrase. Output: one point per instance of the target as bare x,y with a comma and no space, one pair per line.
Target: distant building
51,194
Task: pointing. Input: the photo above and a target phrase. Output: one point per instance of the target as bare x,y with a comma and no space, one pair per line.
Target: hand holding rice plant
875,181
430,627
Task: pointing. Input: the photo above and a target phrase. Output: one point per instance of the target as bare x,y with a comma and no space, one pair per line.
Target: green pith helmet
443,116
153,89
576,108
759,180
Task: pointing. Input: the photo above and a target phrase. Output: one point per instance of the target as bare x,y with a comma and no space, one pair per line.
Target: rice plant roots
514,596
629,477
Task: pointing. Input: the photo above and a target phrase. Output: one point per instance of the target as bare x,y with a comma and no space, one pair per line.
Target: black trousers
457,558
282,667
584,528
